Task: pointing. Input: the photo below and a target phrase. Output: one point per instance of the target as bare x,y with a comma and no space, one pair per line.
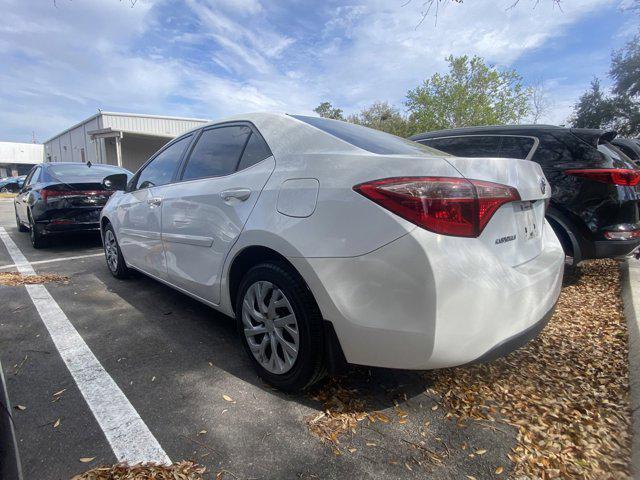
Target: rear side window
469,146
516,147
217,152
255,151
161,169
373,141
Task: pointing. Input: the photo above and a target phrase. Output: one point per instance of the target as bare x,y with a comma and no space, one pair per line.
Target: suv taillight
615,176
450,206
49,195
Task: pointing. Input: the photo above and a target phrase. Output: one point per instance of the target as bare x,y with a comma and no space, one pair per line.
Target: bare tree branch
428,5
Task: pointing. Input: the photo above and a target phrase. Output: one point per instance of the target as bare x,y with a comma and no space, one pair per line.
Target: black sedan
62,197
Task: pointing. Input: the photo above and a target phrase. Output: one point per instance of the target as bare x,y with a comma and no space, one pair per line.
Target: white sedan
332,243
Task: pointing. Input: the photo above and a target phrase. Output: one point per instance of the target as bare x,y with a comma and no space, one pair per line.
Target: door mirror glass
117,181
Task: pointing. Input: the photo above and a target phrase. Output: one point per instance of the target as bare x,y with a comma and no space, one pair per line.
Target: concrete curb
630,293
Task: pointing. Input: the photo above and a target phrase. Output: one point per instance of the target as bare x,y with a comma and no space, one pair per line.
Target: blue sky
211,58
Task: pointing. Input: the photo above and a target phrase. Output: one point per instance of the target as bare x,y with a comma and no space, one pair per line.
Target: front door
203,215
139,213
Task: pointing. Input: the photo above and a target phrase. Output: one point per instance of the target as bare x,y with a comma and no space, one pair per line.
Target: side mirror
117,181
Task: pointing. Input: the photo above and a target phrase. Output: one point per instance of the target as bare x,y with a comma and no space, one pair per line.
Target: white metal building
124,139
18,158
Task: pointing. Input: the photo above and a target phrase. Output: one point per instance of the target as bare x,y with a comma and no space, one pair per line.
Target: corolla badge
543,185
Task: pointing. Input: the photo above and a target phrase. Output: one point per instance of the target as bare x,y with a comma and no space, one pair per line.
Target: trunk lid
514,233
67,195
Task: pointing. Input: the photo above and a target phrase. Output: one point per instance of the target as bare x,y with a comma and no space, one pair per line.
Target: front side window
161,169
217,152
373,141
469,146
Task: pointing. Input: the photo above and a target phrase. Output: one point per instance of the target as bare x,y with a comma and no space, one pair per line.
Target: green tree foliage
594,109
620,111
625,69
326,110
472,93
383,116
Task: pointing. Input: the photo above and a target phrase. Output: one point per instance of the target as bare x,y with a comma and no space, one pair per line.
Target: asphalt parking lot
181,367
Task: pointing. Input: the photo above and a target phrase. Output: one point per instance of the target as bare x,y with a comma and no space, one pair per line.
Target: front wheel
280,326
113,254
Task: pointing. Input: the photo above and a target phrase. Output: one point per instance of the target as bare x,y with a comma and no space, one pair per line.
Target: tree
540,102
625,69
326,110
594,109
383,116
472,93
620,111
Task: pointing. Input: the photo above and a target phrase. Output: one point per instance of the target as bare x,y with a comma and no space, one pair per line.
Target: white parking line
128,435
54,260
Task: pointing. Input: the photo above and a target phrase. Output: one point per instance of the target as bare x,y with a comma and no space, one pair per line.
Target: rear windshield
373,141
82,171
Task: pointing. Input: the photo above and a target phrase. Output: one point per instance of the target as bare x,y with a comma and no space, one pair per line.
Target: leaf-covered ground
13,279
567,391
177,471
564,396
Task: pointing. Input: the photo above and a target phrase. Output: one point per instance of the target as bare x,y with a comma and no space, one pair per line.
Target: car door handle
154,202
238,193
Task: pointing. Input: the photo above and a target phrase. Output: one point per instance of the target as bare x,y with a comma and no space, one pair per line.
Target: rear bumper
427,301
518,340
53,228
614,248
63,220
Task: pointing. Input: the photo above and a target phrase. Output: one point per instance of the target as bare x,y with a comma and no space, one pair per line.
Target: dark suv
594,206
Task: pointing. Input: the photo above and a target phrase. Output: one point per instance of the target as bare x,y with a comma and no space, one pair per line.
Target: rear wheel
21,227
280,326
113,254
38,240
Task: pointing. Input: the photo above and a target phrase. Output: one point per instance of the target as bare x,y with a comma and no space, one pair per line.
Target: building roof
123,114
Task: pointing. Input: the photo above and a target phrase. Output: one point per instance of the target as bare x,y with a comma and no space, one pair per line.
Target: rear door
139,212
203,214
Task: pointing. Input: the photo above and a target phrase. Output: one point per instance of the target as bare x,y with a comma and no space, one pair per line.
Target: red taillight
615,176
47,194
450,206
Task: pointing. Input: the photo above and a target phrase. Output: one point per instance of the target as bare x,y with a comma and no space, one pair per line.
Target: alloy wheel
270,327
111,250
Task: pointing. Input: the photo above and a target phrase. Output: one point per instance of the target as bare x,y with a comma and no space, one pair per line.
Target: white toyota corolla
332,243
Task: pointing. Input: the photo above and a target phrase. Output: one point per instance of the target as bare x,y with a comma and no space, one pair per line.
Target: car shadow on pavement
184,318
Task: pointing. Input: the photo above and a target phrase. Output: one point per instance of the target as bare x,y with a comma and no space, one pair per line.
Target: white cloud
209,58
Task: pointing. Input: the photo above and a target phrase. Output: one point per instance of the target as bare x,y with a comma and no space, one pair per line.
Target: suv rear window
483,145
368,139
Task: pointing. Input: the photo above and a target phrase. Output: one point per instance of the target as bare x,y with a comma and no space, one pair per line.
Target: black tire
38,240
120,269
21,227
309,366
